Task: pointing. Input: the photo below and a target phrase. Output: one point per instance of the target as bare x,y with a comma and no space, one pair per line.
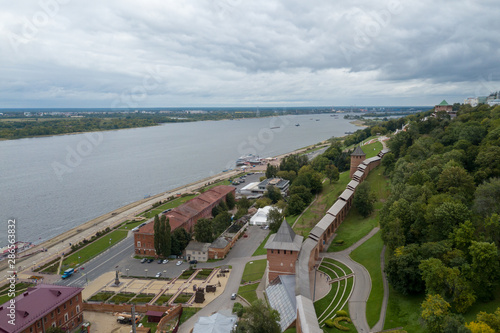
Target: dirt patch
104,322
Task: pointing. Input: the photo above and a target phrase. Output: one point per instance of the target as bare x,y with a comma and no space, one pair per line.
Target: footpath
362,287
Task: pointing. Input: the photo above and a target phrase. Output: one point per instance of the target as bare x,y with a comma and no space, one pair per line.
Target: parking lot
244,247
249,179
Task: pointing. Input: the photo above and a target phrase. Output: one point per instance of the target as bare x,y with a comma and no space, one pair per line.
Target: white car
158,274
179,263
165,261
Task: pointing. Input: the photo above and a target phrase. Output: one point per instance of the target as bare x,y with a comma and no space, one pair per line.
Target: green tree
274,219
455,180
295,205
180,239
491,319
320,163
203,231
54,330
364,199
167,240
259,318
303,192
332,173
221,222
230,201
271,171
484,268
289,175
273,193
243,203
157,235
487,197
263,202
403,272
434,311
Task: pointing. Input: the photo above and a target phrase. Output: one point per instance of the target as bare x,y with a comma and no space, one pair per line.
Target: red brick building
42,307
184,216
283,250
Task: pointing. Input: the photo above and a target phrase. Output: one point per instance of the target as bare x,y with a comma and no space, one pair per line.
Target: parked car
150,261
165,261
179,263
233,296
158,274
143,260
160,261
193,262
245,235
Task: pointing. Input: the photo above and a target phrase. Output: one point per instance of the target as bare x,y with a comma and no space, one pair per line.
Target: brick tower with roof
283,250
357,157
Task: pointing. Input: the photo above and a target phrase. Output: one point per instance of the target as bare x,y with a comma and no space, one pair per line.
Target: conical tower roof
358,152
284,239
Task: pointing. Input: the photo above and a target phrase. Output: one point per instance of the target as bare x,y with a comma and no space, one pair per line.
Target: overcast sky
149,53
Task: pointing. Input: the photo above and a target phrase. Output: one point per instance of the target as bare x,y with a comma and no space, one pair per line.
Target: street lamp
109,241
146,272
126,269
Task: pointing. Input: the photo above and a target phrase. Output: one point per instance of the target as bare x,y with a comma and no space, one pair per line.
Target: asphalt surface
362,283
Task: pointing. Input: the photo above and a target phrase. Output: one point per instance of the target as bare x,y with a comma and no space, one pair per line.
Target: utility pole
133,318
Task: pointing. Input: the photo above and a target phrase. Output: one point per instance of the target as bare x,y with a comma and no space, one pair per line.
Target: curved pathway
379,326
362,283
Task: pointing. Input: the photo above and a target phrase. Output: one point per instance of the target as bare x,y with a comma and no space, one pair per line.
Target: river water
52,184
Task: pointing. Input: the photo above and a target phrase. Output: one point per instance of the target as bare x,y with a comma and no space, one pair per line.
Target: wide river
52,184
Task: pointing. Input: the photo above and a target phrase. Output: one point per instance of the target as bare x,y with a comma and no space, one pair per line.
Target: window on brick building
76,298
64,306
78,309
65,317
284,252
31,329
272,251
278,251
38,324
70,302
58,311
138,244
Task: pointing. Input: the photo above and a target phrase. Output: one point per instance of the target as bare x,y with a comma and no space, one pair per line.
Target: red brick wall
281,263
147,244
355,162
57,316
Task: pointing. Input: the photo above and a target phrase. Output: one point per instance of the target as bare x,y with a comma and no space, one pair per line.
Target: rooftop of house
197,246
278,182
443,103
34,304
179,215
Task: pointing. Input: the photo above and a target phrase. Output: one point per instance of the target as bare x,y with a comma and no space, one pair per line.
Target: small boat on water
275,127
297,124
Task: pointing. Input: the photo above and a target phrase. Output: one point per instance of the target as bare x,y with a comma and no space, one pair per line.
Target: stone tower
283,250
357,157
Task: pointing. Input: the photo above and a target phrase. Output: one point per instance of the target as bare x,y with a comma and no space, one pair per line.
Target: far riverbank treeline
16,125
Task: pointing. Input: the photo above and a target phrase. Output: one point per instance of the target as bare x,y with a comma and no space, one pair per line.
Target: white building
260,218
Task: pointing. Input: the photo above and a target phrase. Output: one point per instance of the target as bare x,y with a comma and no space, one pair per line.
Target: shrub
338,242
336,323
238,309
329,323
342,313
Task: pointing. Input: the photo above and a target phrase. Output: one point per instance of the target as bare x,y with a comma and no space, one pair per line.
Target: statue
117,281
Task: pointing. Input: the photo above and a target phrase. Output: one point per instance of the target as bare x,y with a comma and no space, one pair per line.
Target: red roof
34,304
179,215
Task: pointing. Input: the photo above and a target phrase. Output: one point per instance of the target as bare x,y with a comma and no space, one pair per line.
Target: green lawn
488,307
183,298
248,292
372,149
318,209
121,298
152,326
223,182
355,226
101,296
142,298
368,255
339,292
187,313
261,250
254,270
163,299
90,251
404,311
